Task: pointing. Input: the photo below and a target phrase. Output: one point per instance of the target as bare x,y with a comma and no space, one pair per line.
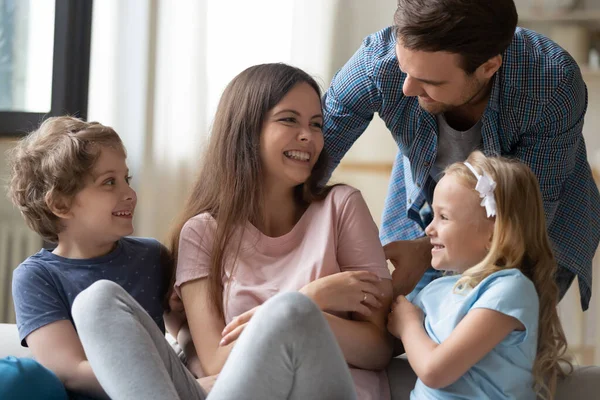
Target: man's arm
349,105
555,151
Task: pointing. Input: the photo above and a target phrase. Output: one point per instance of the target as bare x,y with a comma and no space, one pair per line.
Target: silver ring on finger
364,298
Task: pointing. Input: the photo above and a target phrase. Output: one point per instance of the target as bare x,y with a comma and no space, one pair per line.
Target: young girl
492,330
257,224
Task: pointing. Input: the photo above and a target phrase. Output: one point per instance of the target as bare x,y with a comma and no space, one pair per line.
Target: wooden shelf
366,167
565,16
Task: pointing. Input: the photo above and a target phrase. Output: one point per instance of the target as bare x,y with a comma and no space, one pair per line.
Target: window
44,61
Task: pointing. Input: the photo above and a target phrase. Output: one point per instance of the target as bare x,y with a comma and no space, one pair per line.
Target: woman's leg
127,351
287,351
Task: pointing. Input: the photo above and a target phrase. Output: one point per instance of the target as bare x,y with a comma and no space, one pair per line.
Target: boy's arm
57,347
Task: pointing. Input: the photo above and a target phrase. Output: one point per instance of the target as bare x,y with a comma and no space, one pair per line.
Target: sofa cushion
583,383
10,345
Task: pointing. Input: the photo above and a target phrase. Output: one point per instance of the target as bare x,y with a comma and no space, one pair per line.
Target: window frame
70,70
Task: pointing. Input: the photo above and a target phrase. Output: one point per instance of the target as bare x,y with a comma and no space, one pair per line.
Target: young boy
70,181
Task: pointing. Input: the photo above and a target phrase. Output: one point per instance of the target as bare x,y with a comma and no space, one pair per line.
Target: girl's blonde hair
520,240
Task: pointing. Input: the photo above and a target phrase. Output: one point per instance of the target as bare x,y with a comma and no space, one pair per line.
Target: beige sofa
583,384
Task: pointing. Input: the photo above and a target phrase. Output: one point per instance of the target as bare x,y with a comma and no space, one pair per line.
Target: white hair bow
485,186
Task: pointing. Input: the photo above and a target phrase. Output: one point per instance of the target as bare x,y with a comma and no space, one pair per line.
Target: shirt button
426,163
418,185
409,201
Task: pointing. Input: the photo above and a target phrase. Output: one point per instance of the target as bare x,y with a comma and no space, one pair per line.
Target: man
452,76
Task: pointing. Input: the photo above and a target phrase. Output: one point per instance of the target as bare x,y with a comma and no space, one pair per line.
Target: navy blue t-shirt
45,285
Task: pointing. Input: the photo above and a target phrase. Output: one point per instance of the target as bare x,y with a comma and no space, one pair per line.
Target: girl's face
460,231
291,139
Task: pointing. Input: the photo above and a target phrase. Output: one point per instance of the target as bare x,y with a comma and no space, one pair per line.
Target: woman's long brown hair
520,240
229,186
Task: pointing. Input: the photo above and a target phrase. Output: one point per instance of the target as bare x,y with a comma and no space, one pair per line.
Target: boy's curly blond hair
49,166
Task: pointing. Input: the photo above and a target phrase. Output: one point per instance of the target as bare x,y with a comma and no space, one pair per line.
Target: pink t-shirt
334,235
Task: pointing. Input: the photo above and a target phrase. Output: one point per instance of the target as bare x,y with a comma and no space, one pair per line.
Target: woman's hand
234,329
403,313
207,382
349,291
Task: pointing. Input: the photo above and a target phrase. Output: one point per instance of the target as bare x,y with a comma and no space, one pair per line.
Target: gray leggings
287,351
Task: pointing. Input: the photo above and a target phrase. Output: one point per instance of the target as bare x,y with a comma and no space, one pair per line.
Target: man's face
438,80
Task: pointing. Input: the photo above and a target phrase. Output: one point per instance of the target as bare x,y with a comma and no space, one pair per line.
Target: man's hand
410,258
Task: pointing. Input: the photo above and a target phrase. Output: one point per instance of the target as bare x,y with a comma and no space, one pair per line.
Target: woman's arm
57,347
439,365
365,341
205,326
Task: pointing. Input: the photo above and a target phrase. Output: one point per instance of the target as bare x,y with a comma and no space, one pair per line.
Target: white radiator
17,242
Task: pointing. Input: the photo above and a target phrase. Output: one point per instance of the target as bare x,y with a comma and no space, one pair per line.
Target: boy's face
103,209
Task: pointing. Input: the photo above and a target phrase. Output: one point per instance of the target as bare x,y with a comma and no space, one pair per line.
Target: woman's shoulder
199,222
339,194
340,199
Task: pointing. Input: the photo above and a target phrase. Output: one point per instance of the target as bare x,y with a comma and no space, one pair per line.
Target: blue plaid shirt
535,114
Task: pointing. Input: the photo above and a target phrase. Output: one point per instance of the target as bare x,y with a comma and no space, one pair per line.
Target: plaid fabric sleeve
349,105
555,151
396,223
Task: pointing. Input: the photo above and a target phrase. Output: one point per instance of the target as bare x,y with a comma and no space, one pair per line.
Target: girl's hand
403,313
234,329
349,291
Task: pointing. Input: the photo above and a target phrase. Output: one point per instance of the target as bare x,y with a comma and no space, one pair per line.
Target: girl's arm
57,347
439,365
205,326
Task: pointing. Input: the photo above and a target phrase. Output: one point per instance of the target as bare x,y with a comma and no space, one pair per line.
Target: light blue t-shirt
506,371
45,285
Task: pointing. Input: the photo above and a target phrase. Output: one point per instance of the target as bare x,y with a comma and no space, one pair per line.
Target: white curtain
158,68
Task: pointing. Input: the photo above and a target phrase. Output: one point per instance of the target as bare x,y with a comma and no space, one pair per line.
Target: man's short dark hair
475,29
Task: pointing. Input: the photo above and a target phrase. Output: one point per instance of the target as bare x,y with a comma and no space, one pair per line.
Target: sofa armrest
582,384
10,345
